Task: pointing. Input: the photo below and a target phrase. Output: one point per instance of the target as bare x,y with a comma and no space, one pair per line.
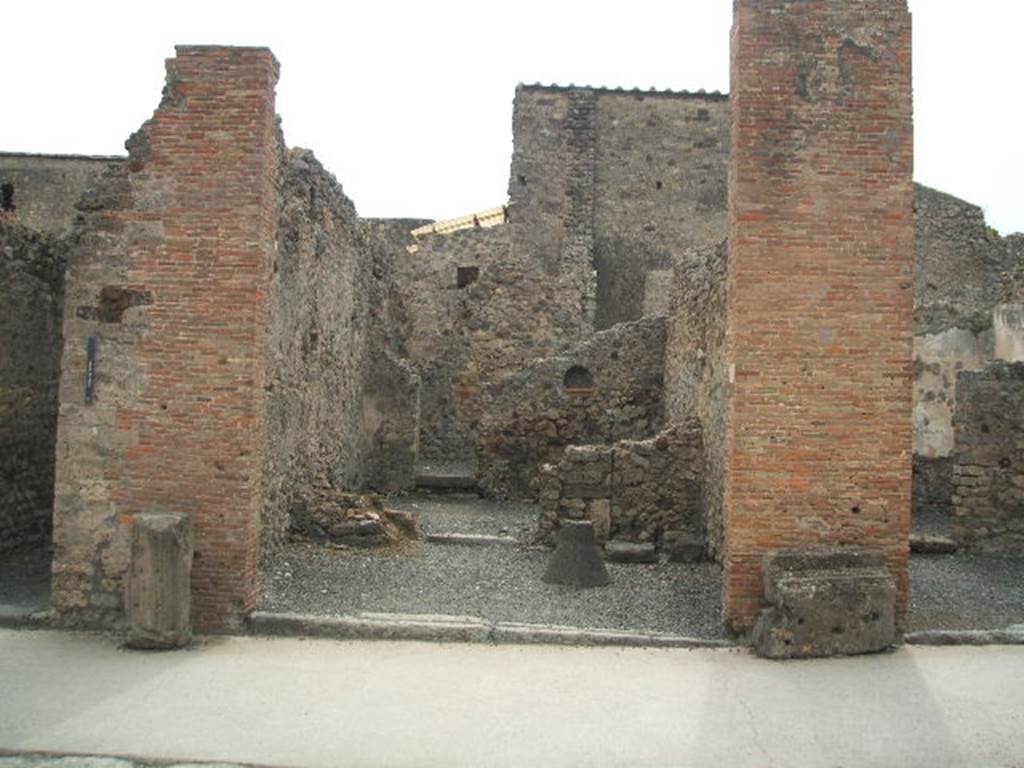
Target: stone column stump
158,599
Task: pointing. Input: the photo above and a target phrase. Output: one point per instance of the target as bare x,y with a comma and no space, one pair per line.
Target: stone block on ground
687,549
826,602
576,560
158,594
631,552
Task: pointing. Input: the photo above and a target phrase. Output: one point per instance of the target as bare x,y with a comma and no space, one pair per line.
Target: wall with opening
530,416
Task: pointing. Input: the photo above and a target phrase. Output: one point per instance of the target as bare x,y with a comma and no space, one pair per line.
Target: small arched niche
578,379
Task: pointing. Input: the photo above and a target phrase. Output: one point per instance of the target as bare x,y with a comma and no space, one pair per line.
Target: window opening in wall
578,380
466,276
7,197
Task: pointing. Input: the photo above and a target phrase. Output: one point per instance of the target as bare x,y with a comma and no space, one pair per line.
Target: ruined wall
962,269
988,471
618,184
819,330
466,328
696,373
660,189
341,409
168,284
605,389
40,191
634,490
31,303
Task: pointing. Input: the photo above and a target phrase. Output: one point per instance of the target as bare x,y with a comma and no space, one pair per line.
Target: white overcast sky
409,104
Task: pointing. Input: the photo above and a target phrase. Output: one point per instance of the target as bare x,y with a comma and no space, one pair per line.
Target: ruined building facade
207,326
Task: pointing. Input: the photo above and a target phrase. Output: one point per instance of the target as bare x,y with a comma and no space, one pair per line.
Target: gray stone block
630,552
158,598
576,561
686,549
826,602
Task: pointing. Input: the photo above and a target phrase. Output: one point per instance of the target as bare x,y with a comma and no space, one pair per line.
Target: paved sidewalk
290,702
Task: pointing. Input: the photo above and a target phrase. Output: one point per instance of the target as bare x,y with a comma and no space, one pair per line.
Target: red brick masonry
819,316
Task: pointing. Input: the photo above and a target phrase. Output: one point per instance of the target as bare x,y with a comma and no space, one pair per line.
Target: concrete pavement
291,702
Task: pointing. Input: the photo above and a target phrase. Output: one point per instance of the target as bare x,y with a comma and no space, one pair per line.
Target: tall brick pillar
818,336
163,367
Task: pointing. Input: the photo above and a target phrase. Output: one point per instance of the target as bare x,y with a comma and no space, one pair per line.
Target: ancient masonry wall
605,389
633,490
962,269
341,409
31,304
40,191
988,471
471,310
819,328
660,189
696,375
163,371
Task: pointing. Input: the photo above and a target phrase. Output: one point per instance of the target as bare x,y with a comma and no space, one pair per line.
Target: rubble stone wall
31,304
165,315
341,408
635,490
696,374
40,191
606,389
988,459
660,189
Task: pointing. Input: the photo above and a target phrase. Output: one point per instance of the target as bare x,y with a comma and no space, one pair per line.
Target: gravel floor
25,578
966,591
467,513
495,583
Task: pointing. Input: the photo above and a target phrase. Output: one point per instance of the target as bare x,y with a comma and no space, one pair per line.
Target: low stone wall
988,468
608,388
634,490
31,303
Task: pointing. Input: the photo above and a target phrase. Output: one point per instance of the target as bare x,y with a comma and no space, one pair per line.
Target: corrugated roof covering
492,217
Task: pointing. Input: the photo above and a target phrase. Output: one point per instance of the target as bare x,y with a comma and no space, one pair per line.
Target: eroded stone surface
158,592
826,602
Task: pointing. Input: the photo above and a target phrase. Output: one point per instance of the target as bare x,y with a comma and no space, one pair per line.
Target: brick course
185,236
818,336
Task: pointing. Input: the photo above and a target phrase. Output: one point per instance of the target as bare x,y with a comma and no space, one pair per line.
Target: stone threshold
17,617
460,629
472,539
1013,635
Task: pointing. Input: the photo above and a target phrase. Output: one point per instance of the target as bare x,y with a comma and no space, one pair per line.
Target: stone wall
31,303
341,409
988,459
607,388
470,307
40,191
962,270
163,369
819,329
696,375
660,189
634,490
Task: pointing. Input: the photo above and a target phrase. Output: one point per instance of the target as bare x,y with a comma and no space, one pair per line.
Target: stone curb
17,618
459,629
1009,636
472,539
